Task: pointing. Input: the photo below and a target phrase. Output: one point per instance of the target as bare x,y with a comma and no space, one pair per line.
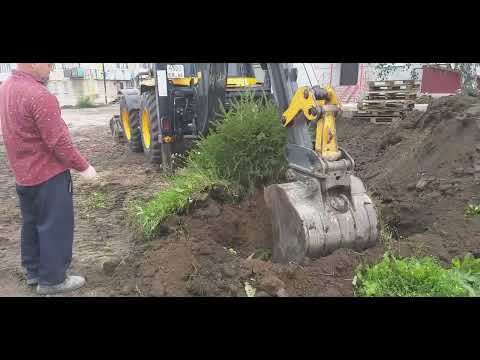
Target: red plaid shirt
36,138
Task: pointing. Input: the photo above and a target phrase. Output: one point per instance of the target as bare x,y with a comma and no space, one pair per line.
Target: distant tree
384,70
468,73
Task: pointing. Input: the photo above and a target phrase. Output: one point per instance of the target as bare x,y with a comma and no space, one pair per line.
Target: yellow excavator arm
320,105
324,206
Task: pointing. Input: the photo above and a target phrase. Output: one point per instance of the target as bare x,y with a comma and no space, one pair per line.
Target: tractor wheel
149,128
116,129
130,120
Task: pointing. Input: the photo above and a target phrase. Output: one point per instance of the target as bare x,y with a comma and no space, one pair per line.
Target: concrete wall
69,91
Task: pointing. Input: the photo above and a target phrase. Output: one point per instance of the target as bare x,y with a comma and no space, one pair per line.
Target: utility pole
104,83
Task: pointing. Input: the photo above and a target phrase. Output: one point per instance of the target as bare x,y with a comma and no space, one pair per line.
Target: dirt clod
110,265
228,271
421,185
233,290
271,284
157,289
128,289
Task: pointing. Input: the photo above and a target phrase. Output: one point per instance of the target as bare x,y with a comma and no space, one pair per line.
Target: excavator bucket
324,207
312,220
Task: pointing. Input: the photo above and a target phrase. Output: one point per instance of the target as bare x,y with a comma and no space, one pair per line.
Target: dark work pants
47,228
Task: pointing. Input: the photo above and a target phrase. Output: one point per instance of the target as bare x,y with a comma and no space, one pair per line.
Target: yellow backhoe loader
322,207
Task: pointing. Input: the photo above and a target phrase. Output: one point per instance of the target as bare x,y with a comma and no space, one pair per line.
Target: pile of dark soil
218,247
424,99
424,171
421,171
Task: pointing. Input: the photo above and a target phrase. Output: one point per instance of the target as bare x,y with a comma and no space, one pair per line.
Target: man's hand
89,175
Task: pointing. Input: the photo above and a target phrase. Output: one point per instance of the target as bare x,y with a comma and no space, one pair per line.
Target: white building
72,81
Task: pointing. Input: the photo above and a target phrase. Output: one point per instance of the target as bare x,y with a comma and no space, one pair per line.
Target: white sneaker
71,283
32,281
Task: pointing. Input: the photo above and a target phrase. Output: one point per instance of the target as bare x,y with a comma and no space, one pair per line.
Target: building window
68,66
348,74
5,68
122,65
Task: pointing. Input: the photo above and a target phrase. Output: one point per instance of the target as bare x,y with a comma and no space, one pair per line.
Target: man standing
41,153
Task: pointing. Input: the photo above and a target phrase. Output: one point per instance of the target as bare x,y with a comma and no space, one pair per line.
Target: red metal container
439,81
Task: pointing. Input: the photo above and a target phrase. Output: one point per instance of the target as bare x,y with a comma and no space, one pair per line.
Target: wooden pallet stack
388,101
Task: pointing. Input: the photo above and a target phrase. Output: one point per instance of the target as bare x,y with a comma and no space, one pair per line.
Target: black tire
131,126
150,142
209,94
116,129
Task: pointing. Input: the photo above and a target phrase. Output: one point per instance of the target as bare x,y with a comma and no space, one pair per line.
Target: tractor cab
242,78
240,75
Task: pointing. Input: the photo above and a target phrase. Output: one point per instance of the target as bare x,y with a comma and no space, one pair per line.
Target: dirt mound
219,247
424,170
424,99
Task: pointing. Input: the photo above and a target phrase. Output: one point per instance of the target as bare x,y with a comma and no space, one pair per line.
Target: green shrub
85,102
467,273
472,210
415,277
245,149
